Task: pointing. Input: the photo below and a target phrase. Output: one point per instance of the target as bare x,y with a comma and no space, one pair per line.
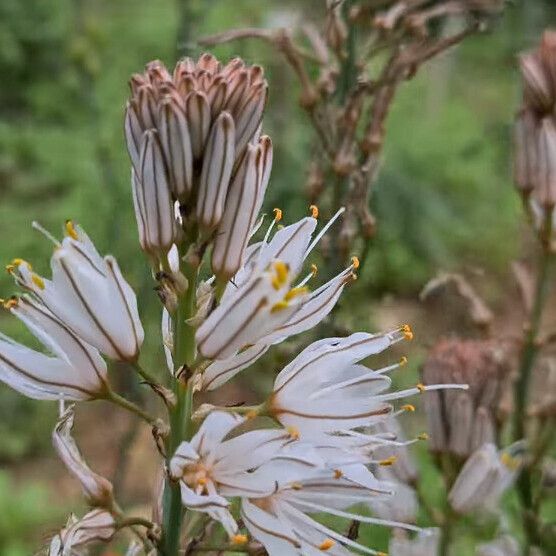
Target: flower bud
461,421
97,490
545,191
152,200
536,83
483,479
526,141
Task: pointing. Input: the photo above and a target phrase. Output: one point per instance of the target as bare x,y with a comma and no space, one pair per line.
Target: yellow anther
17,262
239,539
423,436
279,306
403,361
408,407
338,474
38,281
353,276
381,554
251,414
293,432
10,303
202,481
281,271
355,262
70,230
296,292
420,387
10,268
280,227
314,269
509,461
277,214
314,211
407,332
296,486
327,544
388,461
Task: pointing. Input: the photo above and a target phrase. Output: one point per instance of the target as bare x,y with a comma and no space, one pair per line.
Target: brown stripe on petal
276,411
258,526
197,112
237,86
217,168
133,131
146,104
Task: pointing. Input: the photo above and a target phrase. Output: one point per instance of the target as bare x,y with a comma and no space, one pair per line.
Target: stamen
403,361
387,462
421,387
305,280
202,481
314,269
293,432
324,230
296,292
239,539
407,332
10,268
423,436
251,414
281,274
45,233
9,303
314,211
338,474
277,214
296,486
327,544
18,262
408,407
38,281
279,306
70,230
509,461
355,262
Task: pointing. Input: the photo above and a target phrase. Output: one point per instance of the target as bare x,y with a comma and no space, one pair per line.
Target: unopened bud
545,191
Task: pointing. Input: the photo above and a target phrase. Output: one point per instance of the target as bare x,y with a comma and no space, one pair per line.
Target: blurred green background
443,200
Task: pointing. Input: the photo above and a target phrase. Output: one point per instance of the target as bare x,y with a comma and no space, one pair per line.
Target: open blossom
97,525
262,304
304,485
211,467
88,294
75,371
325,389
97,489
484,478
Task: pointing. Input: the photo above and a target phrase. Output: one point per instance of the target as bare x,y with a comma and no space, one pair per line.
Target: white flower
262,305
98,490
486,475
89,295
324,389
97,525
154,208
426,543
210,468
279,521
76,371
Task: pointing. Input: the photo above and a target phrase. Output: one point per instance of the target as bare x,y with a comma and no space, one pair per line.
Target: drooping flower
98,491
484,478
262,304
211,467
88,294
95,526
75,371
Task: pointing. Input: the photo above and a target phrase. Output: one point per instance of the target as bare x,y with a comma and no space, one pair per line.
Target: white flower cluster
200,170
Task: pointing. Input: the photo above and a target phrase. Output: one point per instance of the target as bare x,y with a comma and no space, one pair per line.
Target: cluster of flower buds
459,422
198,159
535,133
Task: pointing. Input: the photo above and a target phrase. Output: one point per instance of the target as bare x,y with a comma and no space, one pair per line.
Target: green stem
528,358
180,415
147,377
129,406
